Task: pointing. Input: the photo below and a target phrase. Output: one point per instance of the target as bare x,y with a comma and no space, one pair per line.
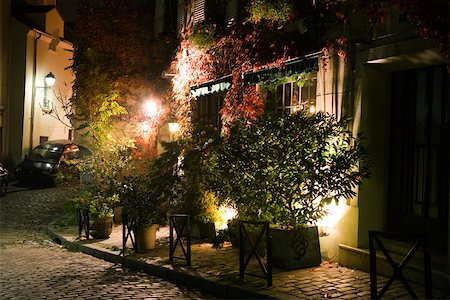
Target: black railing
128,231
418,241
83,222
263,228
181,225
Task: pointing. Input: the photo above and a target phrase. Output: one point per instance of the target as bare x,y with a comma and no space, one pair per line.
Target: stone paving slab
217,271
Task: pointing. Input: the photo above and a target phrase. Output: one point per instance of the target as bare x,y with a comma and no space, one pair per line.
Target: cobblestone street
33,267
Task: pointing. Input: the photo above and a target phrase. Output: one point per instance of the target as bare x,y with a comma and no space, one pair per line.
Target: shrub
286,169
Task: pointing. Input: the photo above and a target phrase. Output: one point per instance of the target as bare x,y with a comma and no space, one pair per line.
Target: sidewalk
217,271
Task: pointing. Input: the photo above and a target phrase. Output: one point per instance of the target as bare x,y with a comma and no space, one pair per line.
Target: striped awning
291,67
213,86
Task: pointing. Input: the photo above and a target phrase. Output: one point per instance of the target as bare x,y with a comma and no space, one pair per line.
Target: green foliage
105,173
179,175
279,11
102,206
82,200
141,203
288,168
203,35
298,79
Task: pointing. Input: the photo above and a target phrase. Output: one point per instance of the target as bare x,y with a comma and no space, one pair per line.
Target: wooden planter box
295,249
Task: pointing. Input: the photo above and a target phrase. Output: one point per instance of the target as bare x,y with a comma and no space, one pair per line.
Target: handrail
243,261
181,228
418,241
128,231
83,222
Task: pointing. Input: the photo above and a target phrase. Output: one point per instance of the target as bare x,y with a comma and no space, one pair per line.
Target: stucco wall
34,54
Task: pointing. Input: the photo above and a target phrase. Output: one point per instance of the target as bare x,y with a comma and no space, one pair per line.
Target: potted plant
101,211
105,173
143,208
286,170
178,177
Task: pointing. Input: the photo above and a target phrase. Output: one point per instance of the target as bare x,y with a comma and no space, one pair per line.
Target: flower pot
295,249
102,227
146,238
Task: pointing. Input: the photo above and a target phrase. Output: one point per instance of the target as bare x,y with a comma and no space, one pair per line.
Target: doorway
419,154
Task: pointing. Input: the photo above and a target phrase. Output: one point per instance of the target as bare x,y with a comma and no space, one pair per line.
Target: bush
286,169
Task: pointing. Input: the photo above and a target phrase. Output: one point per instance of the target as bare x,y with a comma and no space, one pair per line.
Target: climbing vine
271,32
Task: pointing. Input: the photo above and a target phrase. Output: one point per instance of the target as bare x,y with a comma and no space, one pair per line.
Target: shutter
181,21
231,12
199,11
159,17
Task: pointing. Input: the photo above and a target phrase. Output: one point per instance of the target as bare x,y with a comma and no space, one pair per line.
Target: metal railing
418,241
181,225
263,228
83,222
128,231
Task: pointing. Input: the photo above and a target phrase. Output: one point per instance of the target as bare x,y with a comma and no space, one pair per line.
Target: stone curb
181,275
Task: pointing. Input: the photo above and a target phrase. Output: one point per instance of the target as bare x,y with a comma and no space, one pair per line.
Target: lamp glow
50,79
150,108
174,127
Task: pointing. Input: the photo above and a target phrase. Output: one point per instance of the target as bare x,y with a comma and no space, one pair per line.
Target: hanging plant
203,35
273,11
298,79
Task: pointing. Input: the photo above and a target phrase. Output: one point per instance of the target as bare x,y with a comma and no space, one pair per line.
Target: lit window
291,98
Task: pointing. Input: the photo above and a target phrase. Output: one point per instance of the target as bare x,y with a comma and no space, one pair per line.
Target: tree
117,61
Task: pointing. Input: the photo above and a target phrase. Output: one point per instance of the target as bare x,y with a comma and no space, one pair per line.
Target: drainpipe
33,92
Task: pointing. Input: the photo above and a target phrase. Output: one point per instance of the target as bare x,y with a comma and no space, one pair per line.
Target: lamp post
173,128
49,83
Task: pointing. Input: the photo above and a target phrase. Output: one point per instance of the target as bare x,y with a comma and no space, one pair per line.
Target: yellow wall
45,53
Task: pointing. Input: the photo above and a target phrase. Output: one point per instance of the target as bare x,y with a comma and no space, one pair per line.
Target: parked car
42,164
4,180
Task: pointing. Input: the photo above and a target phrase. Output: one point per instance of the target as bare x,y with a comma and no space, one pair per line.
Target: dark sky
68,9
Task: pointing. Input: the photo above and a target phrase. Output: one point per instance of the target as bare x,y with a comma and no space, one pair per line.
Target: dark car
41,165
4,180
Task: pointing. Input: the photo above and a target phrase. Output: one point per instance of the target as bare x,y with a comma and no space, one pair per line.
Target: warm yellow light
150,108
50,79
225,214
335,214
312,109
145,127
174,127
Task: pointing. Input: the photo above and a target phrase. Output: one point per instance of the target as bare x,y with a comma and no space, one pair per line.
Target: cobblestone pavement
33,267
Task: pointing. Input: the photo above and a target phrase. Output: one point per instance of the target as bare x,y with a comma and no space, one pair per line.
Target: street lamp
49,81
150,109
173,127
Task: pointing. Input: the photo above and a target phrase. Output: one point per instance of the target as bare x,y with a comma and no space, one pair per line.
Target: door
419,154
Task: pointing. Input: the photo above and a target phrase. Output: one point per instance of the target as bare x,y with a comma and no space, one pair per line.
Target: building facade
34,109
394,85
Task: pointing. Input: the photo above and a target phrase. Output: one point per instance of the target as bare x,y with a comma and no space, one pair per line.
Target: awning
214,86
292,67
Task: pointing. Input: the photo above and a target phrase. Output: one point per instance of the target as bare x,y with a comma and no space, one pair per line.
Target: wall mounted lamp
49,82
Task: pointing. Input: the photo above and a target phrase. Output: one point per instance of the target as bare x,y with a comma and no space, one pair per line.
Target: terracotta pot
102,227
146,237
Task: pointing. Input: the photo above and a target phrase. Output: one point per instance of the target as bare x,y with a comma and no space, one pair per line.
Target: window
291,98
208,109
43,139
